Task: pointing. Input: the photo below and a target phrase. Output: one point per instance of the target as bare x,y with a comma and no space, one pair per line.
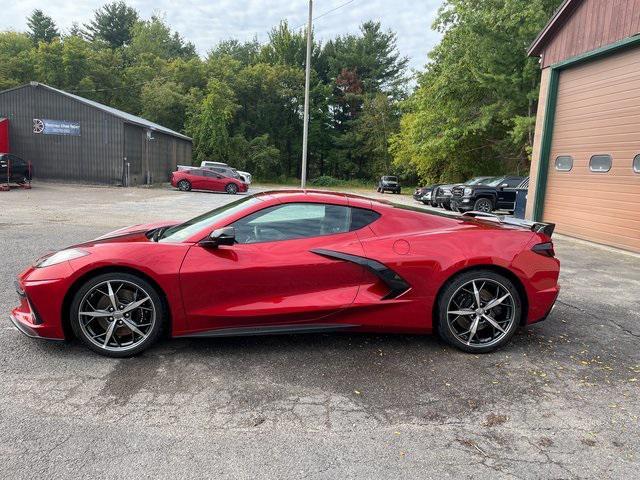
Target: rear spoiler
538,227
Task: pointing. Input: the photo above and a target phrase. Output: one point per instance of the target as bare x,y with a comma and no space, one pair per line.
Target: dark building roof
562,13
127,117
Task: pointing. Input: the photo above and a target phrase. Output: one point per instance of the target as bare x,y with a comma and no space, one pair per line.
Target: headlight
61,256
467,191
427,196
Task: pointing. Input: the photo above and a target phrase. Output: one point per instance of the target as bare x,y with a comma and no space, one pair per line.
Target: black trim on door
397,285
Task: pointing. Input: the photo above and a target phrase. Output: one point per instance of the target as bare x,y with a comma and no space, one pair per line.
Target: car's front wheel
479,311
231,189
184,185
483,205
117,314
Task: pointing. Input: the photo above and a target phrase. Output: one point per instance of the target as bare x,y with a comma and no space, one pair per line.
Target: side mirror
503,186
222,236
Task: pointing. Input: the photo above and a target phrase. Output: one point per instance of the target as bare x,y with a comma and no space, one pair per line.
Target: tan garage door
597,114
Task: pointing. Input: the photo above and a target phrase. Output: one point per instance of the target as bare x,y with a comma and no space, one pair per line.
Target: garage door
593,189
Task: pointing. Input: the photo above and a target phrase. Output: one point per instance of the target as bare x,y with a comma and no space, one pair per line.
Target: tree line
242,103
471,111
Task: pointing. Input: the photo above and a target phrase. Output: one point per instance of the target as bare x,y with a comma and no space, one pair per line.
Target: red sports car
202,179
296,261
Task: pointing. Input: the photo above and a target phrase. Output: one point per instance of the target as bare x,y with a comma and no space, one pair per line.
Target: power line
326,13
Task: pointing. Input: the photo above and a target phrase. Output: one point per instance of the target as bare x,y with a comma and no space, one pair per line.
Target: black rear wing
538,227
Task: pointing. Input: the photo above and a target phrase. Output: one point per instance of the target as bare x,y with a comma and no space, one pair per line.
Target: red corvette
202,179
296,261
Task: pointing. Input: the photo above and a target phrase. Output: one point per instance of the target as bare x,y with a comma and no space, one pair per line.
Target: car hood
130,234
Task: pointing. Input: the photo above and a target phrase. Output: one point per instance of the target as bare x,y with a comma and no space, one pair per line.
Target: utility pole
307,86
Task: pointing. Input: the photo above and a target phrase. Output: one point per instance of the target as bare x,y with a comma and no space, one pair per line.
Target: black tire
184,185
446,206
155,304
231,188
454,287
483,205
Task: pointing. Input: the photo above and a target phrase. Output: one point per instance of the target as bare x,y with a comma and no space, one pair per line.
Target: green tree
113,24
42,28
154,37
209,121
16,59
472,112
164,103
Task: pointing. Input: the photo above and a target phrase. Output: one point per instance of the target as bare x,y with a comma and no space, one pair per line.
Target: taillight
545,249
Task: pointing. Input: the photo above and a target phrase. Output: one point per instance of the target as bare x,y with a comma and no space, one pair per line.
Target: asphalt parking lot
560,402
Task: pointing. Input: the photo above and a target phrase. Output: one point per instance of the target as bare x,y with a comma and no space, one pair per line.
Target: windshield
479,181
389,179
495,182
181,232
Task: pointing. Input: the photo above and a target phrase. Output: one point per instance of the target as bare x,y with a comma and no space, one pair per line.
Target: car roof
319,196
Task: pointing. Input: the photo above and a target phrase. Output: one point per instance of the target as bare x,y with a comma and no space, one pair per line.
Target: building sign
56,127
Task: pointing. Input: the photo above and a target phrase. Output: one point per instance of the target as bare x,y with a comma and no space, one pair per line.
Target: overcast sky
205,22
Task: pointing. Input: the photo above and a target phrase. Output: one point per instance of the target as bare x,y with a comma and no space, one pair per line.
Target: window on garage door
564,163
600,163
636,164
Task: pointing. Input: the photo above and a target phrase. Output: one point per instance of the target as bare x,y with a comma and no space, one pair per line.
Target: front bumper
462,204
28,329
41,293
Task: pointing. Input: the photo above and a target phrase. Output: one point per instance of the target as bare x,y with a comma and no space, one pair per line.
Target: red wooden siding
593,24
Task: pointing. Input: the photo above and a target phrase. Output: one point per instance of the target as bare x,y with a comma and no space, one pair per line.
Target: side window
564,163
513,182
293,221
600,163
17,161
361,217
208,173
197,173
636,164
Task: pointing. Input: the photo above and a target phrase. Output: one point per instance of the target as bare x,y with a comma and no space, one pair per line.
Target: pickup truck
497,194
13,169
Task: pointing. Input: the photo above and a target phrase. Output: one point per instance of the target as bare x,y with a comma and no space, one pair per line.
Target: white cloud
206,22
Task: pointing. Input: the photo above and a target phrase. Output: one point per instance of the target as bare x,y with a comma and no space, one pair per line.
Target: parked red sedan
296,261
200,179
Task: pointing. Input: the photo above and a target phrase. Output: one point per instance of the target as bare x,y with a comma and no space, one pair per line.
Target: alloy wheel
184,185
232,189
117,315
481,312
483,205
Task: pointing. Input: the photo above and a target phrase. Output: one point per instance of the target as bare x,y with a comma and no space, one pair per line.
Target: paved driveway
560,402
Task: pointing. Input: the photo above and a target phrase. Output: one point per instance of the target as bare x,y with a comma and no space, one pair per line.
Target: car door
213,181
507,193
18,169
271,277
197,179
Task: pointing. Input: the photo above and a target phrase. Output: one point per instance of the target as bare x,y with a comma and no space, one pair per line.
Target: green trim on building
550,112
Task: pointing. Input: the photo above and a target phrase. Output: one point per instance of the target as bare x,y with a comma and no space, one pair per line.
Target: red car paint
209,181
278,283
4,135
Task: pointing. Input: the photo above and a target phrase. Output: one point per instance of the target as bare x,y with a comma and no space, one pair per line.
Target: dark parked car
497,194
14,169
389,184
443,194
421,192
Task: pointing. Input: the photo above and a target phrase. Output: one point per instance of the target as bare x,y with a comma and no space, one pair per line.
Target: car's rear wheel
479,311
483,205
117,314
231,189
184,185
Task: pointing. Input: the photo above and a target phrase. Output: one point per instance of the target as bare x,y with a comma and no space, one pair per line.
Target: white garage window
636,164
600,163
564,163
